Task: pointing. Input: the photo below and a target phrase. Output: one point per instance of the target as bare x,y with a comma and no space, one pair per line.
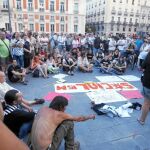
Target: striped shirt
9,109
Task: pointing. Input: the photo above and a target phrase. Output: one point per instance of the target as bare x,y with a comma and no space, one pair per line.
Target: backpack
36,73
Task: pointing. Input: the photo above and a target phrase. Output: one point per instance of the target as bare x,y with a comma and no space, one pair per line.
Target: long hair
58,103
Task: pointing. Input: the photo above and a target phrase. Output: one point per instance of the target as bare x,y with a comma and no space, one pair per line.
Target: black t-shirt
26,46
14,118
105,63
146,67
10,74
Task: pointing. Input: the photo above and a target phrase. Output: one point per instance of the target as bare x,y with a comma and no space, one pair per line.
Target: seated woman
37,64
99,56
116,54
90,56
83,63
68,64
120,66
16,74
52,67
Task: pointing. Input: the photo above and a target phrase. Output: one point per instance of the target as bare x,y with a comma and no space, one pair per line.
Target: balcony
125,13
98,13
143,15
125,23
94,14
137,15
30,8
118,22
136,24
112,22
130,23
102,12
76,11
119,13
41,9
19,9
62,10
113,12
131,14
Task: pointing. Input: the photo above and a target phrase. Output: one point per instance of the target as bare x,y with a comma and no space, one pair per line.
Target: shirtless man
52,125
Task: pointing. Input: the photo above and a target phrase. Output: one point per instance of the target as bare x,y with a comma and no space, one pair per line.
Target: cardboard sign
94,86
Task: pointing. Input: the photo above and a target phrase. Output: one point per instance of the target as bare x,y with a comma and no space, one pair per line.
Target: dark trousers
64,131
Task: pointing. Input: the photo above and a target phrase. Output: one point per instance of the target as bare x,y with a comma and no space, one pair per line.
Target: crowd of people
42,55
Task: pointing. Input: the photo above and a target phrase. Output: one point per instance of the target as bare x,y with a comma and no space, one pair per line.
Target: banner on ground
93,86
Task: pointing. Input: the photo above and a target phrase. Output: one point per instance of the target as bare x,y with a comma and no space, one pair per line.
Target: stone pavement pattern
103,133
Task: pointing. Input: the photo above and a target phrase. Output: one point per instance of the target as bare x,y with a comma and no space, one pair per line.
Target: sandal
141,122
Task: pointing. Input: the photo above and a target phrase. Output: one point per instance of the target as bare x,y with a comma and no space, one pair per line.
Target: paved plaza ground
103,133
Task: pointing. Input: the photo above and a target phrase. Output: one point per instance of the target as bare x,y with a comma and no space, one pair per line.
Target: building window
62,27
19,4
62,19
75,19
112,28
52,5
41,3
42,27
41,18
5,3
118,28
62,6
134,29
52,19
129,29
31,17
20,26
75,28
52,28
30,5
132,2
76,8
120,1
114,0
124,29
7,26
31,27
112,19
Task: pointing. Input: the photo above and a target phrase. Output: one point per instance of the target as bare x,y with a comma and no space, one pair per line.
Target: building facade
118,16
50,16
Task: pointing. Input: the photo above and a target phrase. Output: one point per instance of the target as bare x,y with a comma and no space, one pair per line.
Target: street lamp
9,14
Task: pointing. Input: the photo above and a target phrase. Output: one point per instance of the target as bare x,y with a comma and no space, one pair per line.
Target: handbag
36,73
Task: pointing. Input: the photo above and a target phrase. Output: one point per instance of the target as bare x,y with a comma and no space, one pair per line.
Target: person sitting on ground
4,87
53,125
37,64
52,67
90,56
68,64
116,54
16,74
83,63
120,66
16,119
99,57
105,65
8,137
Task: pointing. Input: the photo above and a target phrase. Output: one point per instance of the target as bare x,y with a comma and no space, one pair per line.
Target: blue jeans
25,129
20,60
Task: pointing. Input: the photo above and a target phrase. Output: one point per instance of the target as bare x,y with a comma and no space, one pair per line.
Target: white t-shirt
83,61
4,87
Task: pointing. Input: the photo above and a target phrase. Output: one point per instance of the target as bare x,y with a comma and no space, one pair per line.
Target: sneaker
69,72
24,83
76,145
72,73
39,101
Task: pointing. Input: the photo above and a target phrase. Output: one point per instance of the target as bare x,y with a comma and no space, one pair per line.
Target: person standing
4,51
146,89
17,47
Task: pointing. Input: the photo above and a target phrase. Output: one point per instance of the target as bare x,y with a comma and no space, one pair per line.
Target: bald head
2,77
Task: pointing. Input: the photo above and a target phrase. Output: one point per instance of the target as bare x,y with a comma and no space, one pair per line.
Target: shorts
146,92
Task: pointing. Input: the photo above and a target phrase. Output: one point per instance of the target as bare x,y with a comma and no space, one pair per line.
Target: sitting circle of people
42,55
